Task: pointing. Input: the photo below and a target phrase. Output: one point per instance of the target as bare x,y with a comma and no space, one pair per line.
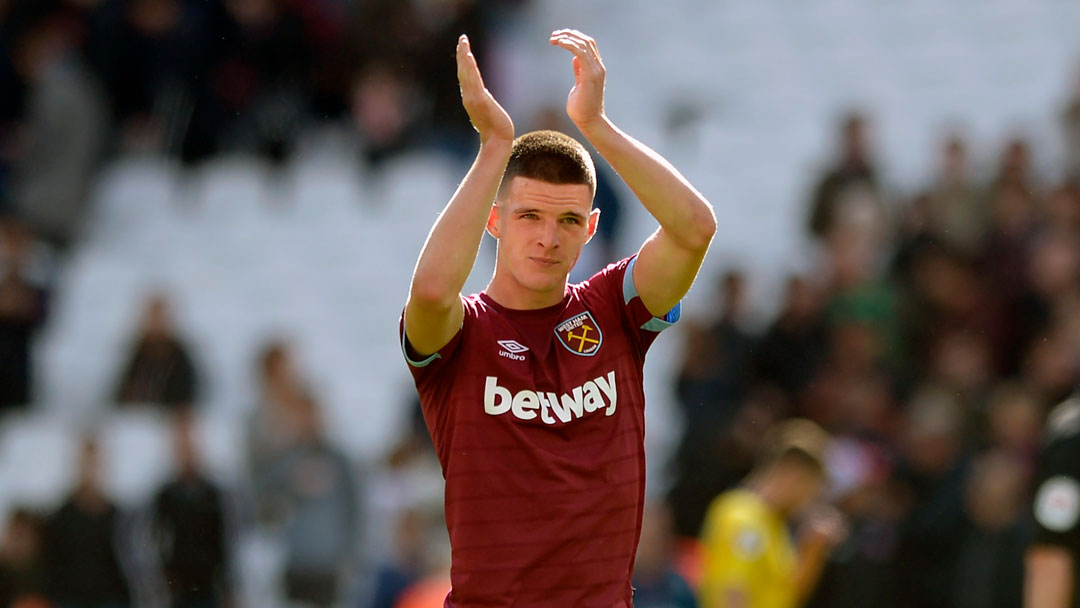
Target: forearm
451,247
685,217
812,556
1049,578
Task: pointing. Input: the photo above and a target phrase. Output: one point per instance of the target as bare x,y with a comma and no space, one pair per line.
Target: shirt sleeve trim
422,363
655,324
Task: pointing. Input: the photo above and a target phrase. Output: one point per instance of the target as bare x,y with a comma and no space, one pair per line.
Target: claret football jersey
538,420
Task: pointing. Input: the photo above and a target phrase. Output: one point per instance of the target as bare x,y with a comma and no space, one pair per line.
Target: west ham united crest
580,334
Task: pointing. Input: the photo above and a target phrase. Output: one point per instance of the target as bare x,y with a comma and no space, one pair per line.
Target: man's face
802,487
541,229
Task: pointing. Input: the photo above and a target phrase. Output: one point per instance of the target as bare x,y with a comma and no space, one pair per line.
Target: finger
580,35
585,58
468,70
577,47
577,34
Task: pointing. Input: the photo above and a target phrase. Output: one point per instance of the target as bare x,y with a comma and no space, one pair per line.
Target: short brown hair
552,157
798,441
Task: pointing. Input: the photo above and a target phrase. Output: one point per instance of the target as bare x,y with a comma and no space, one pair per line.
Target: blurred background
211,210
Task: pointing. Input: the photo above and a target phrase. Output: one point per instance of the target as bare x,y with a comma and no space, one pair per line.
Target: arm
434,311
669,260
1049,578
824,529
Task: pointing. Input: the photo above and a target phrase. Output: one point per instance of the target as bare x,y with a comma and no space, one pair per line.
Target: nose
548,236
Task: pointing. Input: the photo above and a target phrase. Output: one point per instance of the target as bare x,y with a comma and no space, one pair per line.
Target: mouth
545,262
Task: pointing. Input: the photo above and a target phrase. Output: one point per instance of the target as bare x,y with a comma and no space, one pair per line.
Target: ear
594,219
492,226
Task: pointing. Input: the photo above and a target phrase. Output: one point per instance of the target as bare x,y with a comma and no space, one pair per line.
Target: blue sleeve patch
655,324
405,351
658,324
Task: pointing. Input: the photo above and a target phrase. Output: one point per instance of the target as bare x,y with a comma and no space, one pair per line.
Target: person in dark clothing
153,57
22,313
990,560
793,347
21,569
657,584
711,387
160,370
852,179
932,475
1052,563
315,485
189,529
81,557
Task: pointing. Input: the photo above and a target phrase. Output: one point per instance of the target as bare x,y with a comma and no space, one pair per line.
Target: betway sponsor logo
596,394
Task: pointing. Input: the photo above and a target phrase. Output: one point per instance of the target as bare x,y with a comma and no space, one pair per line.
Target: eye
529,216
571,220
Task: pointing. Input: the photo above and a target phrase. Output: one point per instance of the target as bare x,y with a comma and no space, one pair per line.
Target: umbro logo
513,349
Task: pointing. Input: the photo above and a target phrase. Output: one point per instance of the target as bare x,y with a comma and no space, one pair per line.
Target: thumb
577,68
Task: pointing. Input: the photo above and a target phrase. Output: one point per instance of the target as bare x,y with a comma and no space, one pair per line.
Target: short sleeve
1056,506
647,327
735,546
421,366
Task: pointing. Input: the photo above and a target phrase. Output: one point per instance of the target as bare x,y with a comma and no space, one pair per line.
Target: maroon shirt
538,419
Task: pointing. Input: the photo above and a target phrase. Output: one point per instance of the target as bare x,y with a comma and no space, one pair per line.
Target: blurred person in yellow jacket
750,560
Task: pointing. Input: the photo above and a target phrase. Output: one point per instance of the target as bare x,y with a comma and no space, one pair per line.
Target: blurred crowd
937,330
933,336
86,79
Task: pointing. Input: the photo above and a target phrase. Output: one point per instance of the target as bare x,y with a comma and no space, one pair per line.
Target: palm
585,103
487,116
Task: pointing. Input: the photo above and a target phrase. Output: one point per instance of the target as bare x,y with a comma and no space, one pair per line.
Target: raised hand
488,117
585,104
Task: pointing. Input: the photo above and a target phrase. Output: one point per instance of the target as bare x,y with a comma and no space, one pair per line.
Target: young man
532,389
750,561
1053,560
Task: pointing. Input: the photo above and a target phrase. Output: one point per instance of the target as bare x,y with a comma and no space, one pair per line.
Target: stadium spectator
710,387
408,480
850,185
1013,422
930,478
717,360
656,582
1071,122
160,370
316,488
1015,172
82,543
720,462
23,310
961,364
22,575
190,528
154,58
64,129
852,391
793,346
750,559
957,209
860,569
272,425
386,109
407,564
262,80
1063,207
990,560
